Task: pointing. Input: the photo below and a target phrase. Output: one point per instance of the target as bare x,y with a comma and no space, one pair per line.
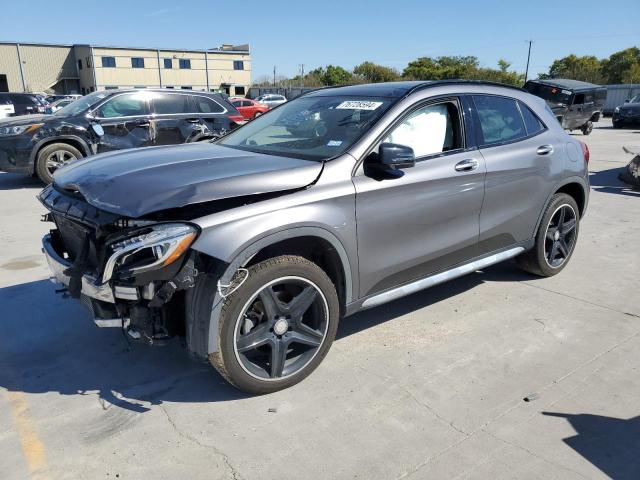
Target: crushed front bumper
58,266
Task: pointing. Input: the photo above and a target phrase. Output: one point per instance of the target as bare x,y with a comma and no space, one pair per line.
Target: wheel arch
74,141
575,187
310,242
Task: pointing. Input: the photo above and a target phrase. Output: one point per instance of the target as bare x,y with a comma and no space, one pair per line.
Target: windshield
635,99
313,128
81,104
556,96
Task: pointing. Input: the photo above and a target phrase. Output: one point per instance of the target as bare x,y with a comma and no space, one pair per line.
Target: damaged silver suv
255,246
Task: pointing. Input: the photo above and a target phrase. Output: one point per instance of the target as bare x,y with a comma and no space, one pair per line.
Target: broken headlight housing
156,247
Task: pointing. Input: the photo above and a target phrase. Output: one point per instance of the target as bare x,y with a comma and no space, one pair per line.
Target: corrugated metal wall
43,66
10,67
617,94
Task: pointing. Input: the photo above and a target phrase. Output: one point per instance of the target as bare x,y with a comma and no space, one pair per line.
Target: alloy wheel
281,328
58,159
560,237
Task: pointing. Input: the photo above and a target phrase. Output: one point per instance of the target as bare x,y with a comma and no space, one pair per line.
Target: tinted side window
127,105
429,130
579,99
500,120
531,122
206,105
166,103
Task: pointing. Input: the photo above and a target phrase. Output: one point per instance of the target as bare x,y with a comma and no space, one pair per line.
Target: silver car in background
254,247
271,99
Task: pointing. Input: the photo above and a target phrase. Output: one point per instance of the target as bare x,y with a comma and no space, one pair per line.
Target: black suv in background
111,120
23,103
575,104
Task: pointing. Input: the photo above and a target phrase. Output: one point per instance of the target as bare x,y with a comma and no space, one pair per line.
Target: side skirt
421,284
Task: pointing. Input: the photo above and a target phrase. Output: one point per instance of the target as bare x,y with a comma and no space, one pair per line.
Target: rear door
519,153
426,219
126,121
174,119
578,111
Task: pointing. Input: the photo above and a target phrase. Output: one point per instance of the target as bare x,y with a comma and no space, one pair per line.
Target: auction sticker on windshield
358,105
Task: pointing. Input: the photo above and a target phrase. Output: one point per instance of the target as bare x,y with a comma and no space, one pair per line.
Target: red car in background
249,108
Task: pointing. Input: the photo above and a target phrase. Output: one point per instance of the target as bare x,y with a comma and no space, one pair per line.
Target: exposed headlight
18,129
157,248
616,110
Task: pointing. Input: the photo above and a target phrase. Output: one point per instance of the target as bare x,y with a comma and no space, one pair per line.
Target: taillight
585,152
236,118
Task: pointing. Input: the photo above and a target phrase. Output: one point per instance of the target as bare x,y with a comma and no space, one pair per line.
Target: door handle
193,120
466,165
544,149
142,123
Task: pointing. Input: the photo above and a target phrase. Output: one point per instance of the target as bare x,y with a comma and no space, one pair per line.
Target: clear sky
288,33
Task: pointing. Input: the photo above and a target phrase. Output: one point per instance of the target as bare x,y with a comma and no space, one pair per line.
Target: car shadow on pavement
502,272
50,344
610,444
14,181
607,181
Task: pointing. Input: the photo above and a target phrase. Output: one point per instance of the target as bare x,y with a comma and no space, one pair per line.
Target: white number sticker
358,105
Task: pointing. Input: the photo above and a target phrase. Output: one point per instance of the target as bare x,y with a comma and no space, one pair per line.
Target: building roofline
116,47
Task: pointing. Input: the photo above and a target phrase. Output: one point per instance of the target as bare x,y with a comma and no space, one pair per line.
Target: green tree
618,66
332,75
427,68
587,68
373,73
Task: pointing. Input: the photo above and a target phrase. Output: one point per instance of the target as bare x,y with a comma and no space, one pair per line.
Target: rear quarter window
500,119
207,105
532,123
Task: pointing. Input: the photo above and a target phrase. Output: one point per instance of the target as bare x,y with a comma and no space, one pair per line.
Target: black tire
617,124
257,114
66,152
233,365
536,260
587,128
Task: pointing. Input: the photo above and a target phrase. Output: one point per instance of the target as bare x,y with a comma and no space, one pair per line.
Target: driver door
427,219
126,122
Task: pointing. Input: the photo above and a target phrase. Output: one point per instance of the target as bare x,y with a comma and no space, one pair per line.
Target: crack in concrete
234,473
533,454
566,295
518,403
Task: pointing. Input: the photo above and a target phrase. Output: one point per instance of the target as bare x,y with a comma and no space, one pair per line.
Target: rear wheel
556,238
54,156
257,114
587,128
276,328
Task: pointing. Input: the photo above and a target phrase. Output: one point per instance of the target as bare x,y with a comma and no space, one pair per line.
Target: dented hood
140,181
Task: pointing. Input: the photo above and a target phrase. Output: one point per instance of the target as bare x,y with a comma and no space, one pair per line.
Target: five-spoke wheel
54,156
555,239
275,328
281,328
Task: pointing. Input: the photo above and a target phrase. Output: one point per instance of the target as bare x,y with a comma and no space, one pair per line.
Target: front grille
77,222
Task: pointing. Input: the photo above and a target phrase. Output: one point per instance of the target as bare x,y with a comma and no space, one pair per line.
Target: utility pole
302,74
526,73
274,75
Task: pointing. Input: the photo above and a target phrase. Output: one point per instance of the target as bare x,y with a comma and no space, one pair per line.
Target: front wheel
276,328
556,238
52,157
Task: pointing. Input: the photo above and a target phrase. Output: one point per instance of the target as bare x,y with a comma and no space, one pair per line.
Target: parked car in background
58,104
6,109
53,98
248,248
248,108
575,104
628,113
112,120
271,99
23,103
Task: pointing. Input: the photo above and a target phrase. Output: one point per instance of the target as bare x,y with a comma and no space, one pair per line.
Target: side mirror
97,129
392,156
626,101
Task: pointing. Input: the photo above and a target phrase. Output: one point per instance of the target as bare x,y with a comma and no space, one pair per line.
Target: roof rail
436,83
